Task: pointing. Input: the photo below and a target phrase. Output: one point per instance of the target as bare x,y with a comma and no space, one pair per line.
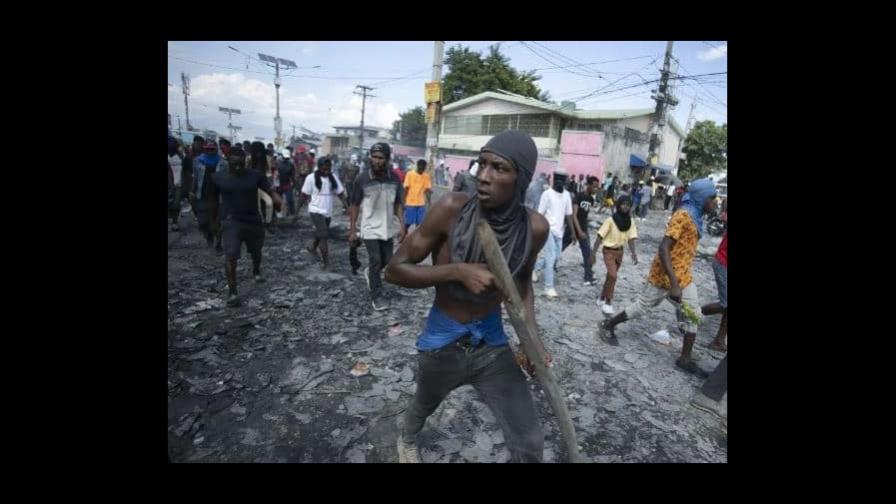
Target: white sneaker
534,276
607,309
601,303
551,293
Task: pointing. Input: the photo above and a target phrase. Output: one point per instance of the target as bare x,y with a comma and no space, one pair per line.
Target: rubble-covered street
272,381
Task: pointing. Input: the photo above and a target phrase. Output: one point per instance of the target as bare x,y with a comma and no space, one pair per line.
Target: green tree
471,73
411,127
706,150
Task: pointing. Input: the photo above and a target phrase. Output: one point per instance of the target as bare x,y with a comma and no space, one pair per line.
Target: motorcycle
715,226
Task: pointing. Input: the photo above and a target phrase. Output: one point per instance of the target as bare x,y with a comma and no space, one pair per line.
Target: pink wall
576,164
404,150
582,142
581,153
456,163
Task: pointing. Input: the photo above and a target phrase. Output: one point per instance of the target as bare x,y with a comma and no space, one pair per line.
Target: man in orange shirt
670,275
418,188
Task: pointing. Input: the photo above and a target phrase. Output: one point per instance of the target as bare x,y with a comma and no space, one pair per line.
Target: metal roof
557,109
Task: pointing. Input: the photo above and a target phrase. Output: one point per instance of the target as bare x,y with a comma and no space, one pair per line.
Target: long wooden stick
530,342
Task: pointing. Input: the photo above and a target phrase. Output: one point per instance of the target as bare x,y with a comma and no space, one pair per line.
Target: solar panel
265,57
287,63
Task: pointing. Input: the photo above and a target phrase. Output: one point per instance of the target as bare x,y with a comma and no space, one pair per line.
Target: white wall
641,123
475,142
668,151
493,106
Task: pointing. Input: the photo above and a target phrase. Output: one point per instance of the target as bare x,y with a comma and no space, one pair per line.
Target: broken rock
360,369
361,405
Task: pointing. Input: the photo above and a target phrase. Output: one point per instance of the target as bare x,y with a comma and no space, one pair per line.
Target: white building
469,123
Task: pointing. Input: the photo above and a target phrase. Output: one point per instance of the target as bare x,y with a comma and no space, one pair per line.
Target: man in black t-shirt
583,204
238,215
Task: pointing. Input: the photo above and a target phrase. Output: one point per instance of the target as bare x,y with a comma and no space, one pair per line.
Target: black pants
379,253
494,373
585,245
667,202
203,216
717,383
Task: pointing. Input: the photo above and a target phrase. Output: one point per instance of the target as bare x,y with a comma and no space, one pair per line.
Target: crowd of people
237,191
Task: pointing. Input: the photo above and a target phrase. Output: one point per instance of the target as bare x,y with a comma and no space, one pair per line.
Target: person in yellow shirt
671,274
615,233
418,190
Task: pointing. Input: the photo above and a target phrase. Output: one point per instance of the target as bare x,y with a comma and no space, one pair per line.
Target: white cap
312,151
285,153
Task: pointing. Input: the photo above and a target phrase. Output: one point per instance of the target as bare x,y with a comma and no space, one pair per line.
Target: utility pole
230,126
364,95
687,130
287,65
235,129
690,123
662,99
179,131
432,129
293,132
185,87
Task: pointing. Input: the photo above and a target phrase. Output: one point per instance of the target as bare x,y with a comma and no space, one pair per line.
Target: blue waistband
442,330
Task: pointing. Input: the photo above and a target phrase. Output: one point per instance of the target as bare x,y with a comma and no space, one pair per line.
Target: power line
588,64
591,75
708,92
645,83
409,76
633,74
271,74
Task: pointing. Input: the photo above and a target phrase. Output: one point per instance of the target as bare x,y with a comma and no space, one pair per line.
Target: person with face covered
204,166
671,274
613,234
238,215
377,196
321,186
463,341
556,206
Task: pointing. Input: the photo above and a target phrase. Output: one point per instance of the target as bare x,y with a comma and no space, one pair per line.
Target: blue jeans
721,274
290,202
552,248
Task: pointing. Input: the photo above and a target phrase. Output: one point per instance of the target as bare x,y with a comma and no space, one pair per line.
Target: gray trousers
717,383
494,373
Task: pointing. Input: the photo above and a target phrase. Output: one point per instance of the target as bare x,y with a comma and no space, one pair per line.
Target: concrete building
580,141
347,139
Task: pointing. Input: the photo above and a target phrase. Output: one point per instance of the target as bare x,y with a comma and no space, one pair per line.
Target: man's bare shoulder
448,206
452,201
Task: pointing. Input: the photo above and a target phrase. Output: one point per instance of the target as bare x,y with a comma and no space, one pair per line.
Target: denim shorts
721,273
